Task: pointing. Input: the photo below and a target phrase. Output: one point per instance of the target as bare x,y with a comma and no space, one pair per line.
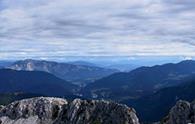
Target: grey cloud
65,28
180,2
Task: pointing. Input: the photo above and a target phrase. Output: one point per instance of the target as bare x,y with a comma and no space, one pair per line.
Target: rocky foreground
182,113
45,110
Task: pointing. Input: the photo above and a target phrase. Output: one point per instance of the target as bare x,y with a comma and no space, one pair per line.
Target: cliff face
182,113
42,110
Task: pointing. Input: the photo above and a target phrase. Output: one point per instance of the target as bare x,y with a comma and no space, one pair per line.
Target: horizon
114,61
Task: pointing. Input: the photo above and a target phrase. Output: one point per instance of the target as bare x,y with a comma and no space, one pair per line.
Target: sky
55,29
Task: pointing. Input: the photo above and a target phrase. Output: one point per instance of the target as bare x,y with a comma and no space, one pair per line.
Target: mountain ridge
48,110
78,74
34,82
159,103
141,81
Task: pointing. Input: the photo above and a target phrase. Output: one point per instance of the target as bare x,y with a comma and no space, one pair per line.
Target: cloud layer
60,28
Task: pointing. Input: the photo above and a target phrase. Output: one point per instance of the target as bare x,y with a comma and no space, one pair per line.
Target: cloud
47,28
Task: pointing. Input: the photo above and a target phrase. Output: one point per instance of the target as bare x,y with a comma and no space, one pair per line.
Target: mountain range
84,63
139,82
126,67
34,82
151,90
76,73
159,103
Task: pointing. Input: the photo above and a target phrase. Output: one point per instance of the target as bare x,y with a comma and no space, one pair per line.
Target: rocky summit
182,113
47,110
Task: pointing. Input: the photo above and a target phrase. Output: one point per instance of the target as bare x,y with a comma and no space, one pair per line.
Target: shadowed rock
182,113
45,110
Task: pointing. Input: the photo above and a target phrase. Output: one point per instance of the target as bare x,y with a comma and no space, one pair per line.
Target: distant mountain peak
79,74
187,62
83,63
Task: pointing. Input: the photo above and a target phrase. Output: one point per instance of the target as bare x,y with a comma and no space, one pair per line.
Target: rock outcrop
182,113
45,110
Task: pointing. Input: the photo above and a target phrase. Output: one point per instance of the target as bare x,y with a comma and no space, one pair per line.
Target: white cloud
47,28
187,58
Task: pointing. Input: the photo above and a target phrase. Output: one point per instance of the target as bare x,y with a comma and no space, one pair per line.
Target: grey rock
182,113
47,110
1,106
